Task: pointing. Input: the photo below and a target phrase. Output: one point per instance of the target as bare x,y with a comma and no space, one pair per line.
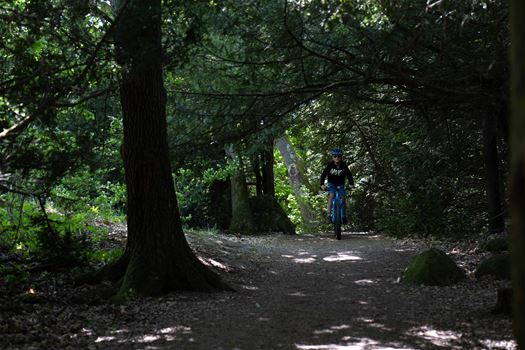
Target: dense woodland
176,116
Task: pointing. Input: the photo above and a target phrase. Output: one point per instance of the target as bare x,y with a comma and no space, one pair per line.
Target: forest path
293,292
314,292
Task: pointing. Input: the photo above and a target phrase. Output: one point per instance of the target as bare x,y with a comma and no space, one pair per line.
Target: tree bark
496,219
241,221
263,168
220,203
256,165
297,180
268,177
517,12
159,258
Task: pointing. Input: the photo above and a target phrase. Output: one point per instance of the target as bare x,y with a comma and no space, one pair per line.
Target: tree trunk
157,254
496,219
297,180
220,203
518,166
268,178
256,165
241,221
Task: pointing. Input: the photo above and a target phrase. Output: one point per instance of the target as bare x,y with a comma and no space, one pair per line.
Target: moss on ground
434,268
496,245
497,266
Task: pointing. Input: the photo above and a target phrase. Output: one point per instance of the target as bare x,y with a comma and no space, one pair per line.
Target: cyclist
336,171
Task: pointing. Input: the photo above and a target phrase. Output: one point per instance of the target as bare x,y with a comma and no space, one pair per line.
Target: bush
57,244
55,238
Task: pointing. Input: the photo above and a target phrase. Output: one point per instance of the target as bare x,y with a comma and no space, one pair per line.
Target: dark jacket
337,175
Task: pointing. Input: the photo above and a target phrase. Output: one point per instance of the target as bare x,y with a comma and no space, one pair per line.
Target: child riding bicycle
336,171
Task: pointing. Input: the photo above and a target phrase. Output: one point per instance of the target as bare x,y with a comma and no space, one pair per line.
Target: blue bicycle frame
338,203
338,209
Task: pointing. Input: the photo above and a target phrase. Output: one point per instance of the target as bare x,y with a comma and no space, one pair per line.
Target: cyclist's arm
350,177
323,175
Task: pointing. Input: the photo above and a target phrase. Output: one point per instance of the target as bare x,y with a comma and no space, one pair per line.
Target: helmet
336,152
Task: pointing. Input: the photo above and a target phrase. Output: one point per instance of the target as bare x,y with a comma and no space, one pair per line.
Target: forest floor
293,292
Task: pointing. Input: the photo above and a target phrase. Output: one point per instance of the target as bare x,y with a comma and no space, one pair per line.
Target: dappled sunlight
114,336
302,258
305,260
168,334
360,233
164,334
403,250
86,331
365,282
373,324
435,336
498,344
342,256
214,263
358,344
303,253
332,329
105,338
250,287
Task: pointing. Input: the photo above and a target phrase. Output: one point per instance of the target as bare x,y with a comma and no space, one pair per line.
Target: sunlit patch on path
360,344
342,256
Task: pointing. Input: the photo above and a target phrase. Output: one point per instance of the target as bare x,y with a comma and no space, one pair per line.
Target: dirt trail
313,292
303,292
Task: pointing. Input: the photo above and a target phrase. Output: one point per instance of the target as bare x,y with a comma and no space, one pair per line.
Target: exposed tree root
202,279
112,272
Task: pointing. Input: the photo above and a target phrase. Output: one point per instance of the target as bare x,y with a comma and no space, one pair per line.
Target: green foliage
99,256
401,86
61,248
84,190
58,238
194,193
14,273
284,192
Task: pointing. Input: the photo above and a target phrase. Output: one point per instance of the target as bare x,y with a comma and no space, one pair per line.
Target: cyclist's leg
331,196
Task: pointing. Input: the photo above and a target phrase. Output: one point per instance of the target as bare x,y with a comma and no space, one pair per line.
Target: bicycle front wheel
337,220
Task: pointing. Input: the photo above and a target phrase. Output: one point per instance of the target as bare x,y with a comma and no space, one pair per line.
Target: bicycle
338,209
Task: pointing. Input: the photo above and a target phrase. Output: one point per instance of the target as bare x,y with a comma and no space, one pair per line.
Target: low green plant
99,256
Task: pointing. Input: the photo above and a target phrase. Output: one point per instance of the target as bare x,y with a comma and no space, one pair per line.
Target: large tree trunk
518,166
241,221
256,165
297,180
268,178
157,258
263,169
220,203
496,219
